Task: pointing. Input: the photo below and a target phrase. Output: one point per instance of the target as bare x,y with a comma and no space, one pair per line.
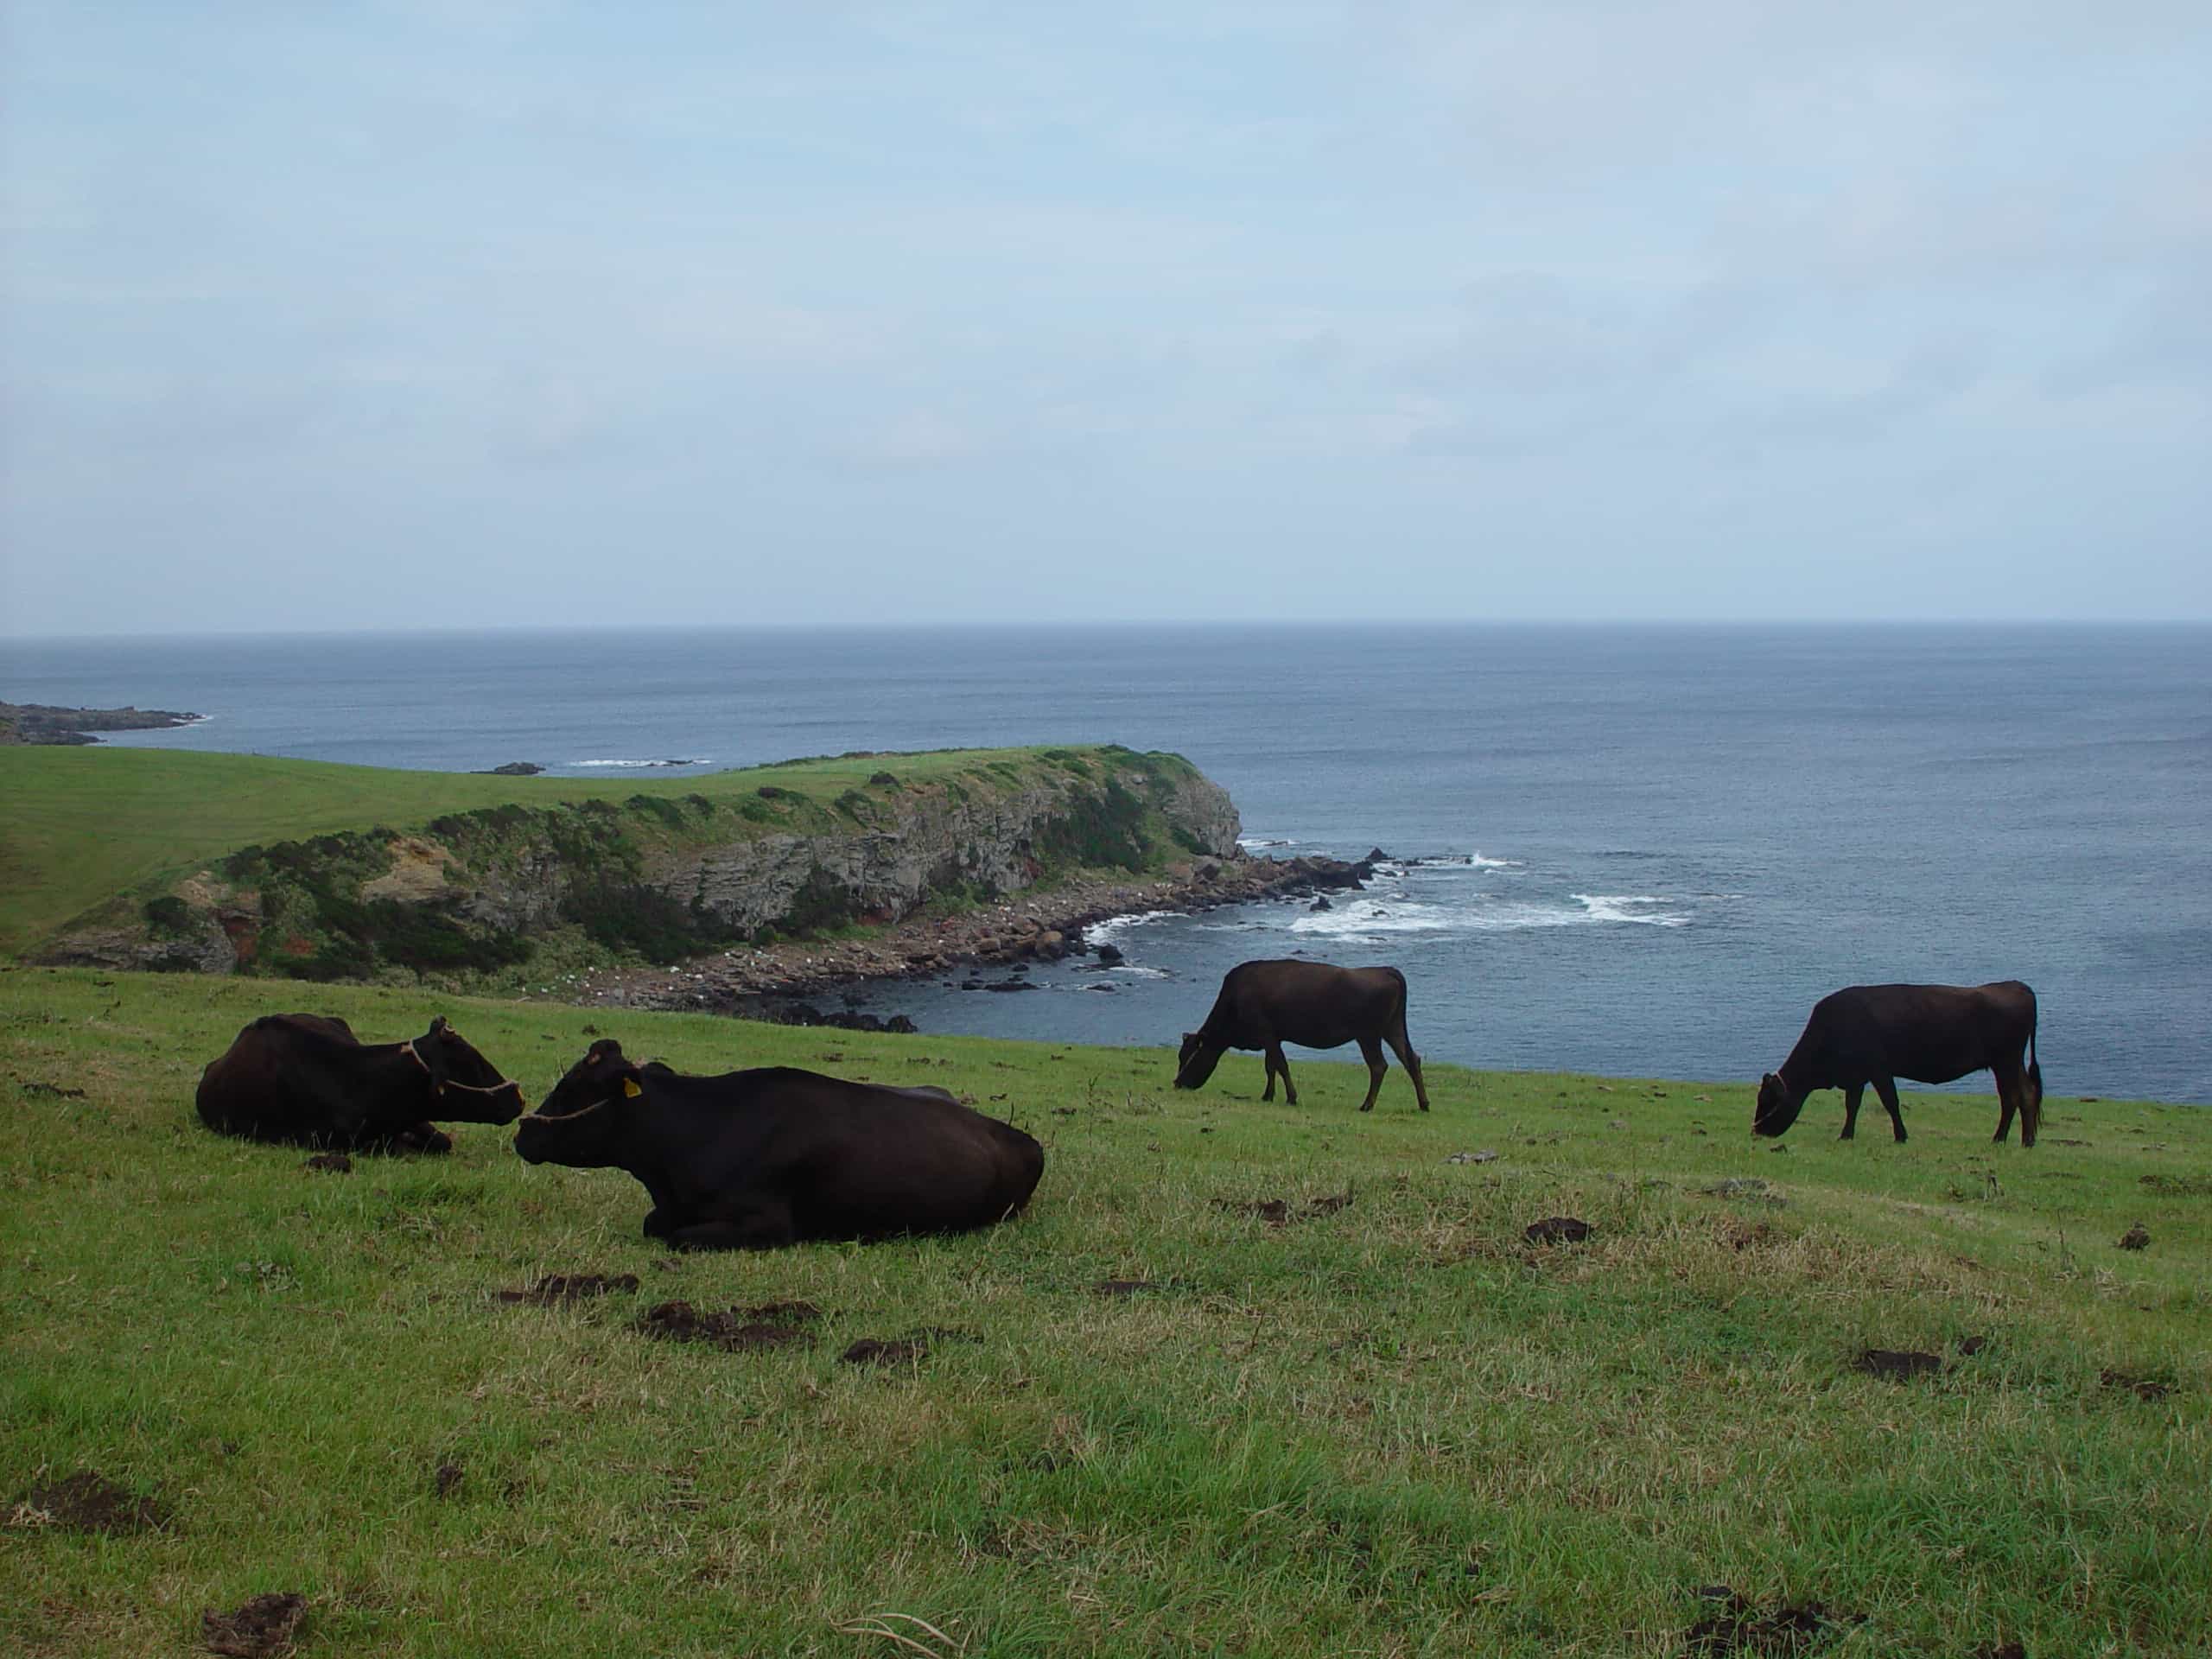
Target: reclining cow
1930,1034
1263,1005
306,1079
761,1158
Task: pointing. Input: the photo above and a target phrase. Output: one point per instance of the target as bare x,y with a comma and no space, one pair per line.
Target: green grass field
84,825
1392,1428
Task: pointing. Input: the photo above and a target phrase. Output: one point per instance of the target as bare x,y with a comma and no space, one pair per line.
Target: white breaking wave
633,765
1113,927
1628,907
1254,842
1481,863
1363,917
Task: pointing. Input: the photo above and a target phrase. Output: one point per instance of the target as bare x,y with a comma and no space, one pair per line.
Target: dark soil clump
1735,1625
330,1163
1280,1212
2002,1650
2137,1237
448,1480
1897,1364
262,1629
729,1330
1556,1230
86,1502
571,1288
870,1351
52,1090
2142,1388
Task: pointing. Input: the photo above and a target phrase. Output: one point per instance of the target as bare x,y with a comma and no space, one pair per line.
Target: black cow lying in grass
305,1078
756,1159
1263,1005
1930,1034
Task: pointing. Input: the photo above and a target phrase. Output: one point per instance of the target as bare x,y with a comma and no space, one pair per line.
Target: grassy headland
1389,1427
105,837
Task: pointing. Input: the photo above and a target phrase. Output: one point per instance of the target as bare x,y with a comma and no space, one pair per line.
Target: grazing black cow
761,1158
307,1079
1263,1005
1930,1034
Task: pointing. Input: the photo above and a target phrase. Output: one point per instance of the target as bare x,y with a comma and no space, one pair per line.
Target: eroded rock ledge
1045,925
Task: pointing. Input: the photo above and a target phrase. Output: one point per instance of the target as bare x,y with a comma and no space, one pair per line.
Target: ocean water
1635,851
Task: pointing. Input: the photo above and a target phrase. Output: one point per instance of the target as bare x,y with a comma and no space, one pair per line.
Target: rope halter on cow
504,1083
630,1091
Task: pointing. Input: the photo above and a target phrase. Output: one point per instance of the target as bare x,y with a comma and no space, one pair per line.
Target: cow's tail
2031,1091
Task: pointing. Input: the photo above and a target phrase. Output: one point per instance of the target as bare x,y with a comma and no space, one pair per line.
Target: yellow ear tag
630,1088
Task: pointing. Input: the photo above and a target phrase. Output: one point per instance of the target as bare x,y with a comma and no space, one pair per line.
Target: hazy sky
481,312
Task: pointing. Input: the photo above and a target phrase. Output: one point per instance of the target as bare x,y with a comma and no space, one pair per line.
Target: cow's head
467,1088
1776,1110
1195,1062
586,1122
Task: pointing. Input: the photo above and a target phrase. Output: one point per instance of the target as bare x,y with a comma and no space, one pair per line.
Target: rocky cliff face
664,877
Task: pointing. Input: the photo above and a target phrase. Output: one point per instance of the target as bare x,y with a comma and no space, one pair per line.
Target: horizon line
1093,624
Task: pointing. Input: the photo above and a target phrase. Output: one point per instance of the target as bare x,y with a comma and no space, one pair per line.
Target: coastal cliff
663,876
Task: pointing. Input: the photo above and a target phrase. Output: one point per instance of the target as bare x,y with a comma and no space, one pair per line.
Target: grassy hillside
80,826
1388,1427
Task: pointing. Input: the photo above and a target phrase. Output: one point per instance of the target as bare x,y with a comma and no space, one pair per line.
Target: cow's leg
1370,1050
1887,1089
759,1225
2009,1098
421,1137
1403,1047
1852,1091
1277,1063
1268,1062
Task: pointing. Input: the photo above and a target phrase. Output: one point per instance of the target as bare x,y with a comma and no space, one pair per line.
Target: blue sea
1655,846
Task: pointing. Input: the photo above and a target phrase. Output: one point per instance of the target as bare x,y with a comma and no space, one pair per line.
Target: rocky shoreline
44,723
773,982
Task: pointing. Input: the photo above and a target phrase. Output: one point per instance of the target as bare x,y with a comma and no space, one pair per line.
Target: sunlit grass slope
78,825
1391,1427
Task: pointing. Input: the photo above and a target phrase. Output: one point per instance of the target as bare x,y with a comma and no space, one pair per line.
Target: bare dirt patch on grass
1557,1230
1735,1624
86,1502
729,1329
1280,1212
263,1629
557,1287
1897,1364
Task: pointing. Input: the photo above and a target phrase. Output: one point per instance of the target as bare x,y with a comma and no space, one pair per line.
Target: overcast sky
489,312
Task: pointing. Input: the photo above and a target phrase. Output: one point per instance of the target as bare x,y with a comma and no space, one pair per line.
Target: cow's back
862,1160
272,1082
1930,1034
1313,1004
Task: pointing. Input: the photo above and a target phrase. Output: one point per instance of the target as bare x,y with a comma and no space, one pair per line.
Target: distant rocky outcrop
512,769
44,723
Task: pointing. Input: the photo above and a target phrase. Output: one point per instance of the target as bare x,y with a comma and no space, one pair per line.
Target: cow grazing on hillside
1263,1005
1930,1034
756,1159
305,1078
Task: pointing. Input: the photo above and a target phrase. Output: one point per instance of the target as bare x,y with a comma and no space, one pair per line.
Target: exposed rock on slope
665,876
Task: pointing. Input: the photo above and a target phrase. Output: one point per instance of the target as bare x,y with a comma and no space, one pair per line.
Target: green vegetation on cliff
1160,1421
321,871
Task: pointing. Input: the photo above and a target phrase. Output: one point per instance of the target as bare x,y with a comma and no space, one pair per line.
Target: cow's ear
1190,1036
438,1027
